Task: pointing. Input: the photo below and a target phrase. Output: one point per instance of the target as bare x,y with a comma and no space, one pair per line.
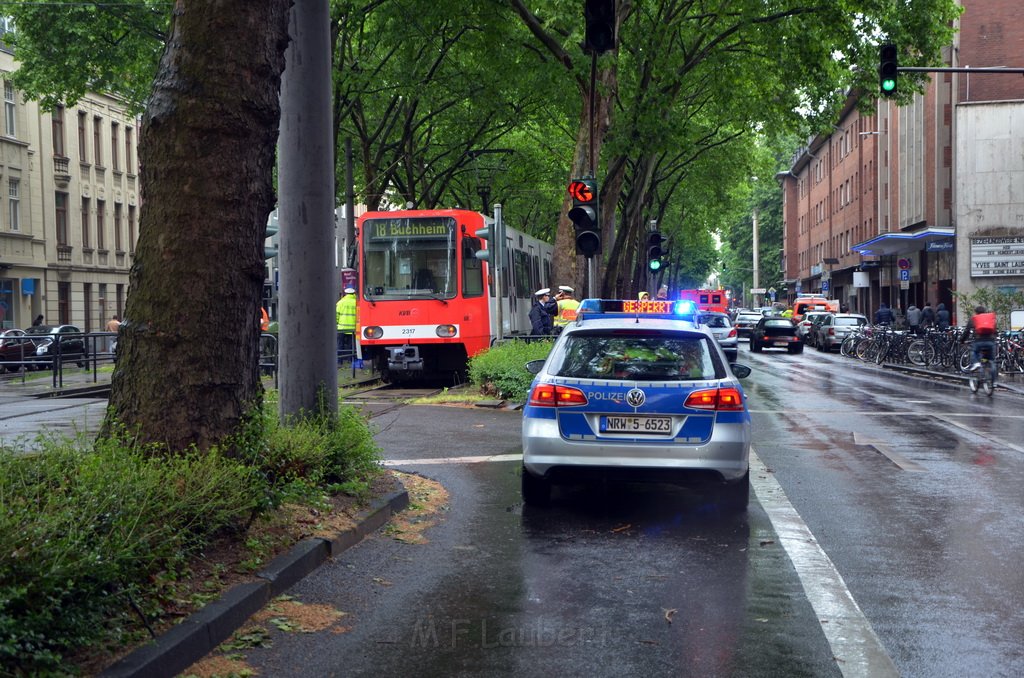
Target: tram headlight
373,332
447,331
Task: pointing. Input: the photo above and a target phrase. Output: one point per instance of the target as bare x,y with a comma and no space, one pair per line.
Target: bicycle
985,375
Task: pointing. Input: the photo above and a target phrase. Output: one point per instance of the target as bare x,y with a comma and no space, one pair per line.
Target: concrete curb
197,636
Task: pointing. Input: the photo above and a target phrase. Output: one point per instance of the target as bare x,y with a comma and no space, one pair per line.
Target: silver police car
637,390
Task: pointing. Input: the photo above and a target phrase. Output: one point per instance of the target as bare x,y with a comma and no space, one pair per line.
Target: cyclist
983,327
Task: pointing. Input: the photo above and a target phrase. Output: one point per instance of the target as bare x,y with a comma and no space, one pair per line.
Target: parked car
805,328
68,338
725,333
833,329
775,332
745,321
16,350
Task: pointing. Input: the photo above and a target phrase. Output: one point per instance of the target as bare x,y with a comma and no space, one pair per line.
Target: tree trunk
188,365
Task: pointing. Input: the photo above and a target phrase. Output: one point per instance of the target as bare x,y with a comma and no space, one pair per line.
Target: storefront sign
992,257
940,245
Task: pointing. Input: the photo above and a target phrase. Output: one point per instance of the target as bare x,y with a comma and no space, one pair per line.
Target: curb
200,633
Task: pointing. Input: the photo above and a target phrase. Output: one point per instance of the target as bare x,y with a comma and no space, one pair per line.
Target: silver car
834,328
721,326
638,396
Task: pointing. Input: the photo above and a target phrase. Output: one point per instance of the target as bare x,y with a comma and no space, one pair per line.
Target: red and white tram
426,302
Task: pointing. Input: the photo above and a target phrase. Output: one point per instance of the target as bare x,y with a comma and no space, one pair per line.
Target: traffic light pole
499,255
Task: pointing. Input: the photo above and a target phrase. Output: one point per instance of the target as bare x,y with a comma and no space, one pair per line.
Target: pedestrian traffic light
888,69
654,250
584,216
599,16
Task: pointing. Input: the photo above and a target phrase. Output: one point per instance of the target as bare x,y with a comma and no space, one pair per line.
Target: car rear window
782,322
648,357
850,321
715,321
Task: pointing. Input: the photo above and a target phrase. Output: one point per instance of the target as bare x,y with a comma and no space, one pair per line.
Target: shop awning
902,242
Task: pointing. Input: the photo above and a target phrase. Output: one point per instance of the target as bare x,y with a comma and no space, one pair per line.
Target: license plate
781,343
610,424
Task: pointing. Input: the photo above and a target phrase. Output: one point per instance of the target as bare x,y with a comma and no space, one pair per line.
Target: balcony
61,171
64,253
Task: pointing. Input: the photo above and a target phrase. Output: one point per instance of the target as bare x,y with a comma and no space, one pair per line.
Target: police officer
566,307
540,314
345,314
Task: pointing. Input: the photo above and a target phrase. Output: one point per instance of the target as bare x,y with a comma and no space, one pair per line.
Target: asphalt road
885,538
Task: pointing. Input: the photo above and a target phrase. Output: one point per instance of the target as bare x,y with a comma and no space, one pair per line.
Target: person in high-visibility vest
566,307
345,314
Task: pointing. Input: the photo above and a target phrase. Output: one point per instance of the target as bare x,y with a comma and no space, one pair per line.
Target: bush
501,371
90,532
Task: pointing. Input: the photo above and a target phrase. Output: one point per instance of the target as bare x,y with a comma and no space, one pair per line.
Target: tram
427,303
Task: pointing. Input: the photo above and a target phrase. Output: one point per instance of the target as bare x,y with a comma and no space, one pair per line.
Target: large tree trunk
188,367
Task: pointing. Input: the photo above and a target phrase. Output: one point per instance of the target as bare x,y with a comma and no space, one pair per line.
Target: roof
902,242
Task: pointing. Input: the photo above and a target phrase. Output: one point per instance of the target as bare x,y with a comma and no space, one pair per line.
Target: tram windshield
404,258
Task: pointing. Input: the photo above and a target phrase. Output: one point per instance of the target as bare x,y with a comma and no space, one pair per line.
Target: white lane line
987,436
909,413
858,651
453,460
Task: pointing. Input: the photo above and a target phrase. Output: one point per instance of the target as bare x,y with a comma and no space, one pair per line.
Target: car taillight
719,399
550,395
732,332
832,331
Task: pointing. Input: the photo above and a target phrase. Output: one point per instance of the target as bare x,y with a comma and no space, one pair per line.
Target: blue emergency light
635,308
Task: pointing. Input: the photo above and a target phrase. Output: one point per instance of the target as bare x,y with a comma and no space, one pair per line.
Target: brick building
913,202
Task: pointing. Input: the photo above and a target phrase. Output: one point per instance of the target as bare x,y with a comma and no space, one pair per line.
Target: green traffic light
654,264
888,85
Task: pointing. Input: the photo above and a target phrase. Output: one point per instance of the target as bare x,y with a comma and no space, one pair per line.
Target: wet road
885,538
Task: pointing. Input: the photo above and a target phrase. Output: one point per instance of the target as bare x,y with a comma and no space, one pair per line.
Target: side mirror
534,366
740,371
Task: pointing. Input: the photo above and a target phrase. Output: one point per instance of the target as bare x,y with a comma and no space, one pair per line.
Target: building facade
69,208
909,204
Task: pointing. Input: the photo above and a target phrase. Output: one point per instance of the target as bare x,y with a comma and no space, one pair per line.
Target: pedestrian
942,317
345,315
914,319
541,321
644,296
662,293
112,326
566,307
927,315
883,316
38,321
264,320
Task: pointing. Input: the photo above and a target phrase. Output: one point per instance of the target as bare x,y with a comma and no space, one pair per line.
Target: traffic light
584,216
273,226
599,16
488,235
654,250
888,69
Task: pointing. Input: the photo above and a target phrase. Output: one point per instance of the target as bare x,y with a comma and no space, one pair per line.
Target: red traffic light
581,191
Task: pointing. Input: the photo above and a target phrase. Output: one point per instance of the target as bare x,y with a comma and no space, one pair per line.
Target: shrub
501,370
90,531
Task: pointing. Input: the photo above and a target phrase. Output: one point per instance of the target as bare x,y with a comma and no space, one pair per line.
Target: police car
637,390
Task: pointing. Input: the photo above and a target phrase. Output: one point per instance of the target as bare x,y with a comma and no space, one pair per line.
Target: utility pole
309,281
756,277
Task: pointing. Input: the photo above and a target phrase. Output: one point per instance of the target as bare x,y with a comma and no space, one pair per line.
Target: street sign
903,264
905,275
772,293
824,285
904,284
771,290
580,190
757,290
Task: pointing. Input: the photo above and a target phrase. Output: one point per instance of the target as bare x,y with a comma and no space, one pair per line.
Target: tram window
472,269
522,275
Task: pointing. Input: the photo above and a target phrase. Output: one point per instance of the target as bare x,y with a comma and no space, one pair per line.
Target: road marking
888,452
858,651
987,436
453,460
908,413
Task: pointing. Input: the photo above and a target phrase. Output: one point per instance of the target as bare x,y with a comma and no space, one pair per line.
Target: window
472,268
14,204
63,303
87,294
410,258
117,228
128,154
115,146
58,131
60,204
10,110
101,241
97,136
82,156
131,228
85,224
624,354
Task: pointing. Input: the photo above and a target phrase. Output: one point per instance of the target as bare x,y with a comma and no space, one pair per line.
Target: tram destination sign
389,229
991,257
